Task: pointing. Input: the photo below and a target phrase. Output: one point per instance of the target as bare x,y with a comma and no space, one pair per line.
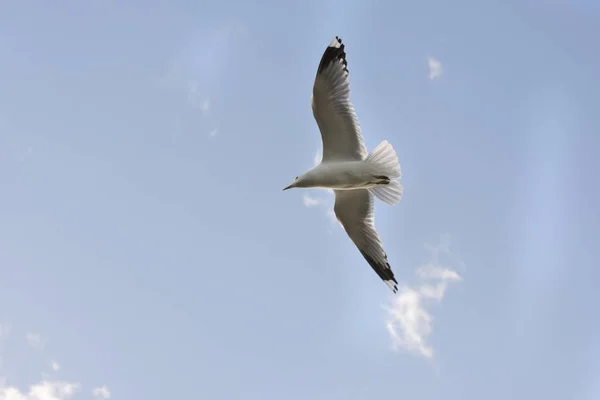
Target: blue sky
148,252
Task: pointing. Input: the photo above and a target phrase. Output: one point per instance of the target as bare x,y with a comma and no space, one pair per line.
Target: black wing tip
334,52
391,283
384,272
394,287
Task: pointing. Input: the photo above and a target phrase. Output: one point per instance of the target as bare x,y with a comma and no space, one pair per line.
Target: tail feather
389,194
384,156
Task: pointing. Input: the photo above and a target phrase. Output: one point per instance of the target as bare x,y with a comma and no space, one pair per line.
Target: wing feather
332,109
354,210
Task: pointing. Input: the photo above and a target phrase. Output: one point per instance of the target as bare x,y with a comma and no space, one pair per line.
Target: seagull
355,175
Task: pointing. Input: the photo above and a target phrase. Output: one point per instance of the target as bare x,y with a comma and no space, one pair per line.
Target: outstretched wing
354,210
332,108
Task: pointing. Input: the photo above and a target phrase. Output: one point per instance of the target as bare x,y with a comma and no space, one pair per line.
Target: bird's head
299,181
293,185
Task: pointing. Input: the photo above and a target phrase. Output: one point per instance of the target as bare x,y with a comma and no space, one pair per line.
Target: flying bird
355,175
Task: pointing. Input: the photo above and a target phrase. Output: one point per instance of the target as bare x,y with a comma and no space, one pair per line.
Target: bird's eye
296,178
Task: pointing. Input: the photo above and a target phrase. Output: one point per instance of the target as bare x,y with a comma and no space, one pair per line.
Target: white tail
389,194
384,156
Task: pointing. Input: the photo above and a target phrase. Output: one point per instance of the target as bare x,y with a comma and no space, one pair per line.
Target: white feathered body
343,175
379,172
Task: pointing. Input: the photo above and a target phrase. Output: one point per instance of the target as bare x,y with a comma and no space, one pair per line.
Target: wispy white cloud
310,201
408,320
35,340
435,68
205,106
213,133
101,392
198,98
46,389
55,366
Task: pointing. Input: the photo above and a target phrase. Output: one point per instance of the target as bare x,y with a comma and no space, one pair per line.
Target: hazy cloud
198,98
198,64
55,366
310,201
35,340
409,322
435,68
101,392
